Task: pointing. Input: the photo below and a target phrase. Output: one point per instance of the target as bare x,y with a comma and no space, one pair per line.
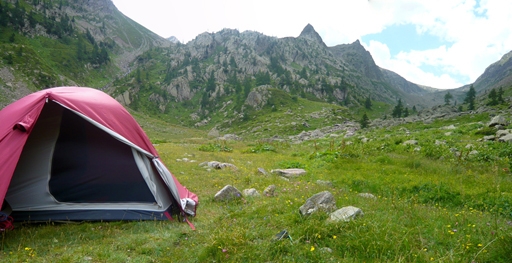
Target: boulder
262,171
502,133
289,173
322,201
410,142
218,165
227,193
506,138
498,120
251,192
346,214
213,133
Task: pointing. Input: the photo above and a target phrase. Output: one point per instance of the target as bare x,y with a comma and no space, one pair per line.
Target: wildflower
333,237
479,245
312,248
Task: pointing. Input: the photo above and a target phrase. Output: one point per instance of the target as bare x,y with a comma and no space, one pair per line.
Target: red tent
74,153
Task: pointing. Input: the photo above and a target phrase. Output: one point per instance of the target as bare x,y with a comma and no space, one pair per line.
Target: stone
227,193
345,214
506,138
251,192
498,120
262,171
450,127
367,195
489,138
502,133
438,142
218,165
321,201
270,190
213,133
289,173
410,142
326,250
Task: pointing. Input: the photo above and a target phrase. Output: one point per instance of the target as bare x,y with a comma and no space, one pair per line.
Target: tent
73,153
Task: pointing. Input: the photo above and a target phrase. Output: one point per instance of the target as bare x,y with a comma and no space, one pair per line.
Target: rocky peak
309,33
173,39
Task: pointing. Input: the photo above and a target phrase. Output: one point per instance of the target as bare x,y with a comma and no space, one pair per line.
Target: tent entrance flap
90,166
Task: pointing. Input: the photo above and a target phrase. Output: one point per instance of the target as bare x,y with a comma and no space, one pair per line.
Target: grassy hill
435,202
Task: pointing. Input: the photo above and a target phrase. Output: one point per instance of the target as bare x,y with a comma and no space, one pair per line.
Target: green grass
431,206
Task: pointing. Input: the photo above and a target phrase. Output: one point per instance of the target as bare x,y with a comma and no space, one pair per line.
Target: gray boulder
498,120
218,165
227,193
506,138
346,214
289,173
322,201
262,171
410,142
251,192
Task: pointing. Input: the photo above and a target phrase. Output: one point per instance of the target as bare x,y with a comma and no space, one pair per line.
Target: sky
443,44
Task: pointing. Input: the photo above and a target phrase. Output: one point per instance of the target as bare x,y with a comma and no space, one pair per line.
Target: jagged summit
309,33
173,39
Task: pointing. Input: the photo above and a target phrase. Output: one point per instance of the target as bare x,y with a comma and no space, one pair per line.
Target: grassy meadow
433,204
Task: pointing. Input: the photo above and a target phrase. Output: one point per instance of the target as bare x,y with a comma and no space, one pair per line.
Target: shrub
211,147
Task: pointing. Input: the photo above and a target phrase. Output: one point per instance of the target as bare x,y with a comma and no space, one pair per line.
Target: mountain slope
57,43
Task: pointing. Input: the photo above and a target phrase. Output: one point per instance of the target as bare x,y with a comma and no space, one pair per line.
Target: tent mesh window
91,166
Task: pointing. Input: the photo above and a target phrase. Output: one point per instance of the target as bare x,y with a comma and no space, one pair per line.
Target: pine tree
447,98
470,98
368,103
397,111
365,121
493,96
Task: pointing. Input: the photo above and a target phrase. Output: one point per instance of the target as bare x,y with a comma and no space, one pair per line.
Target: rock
498,120
270,190
214,133
230,137
443,142
227,193
322,201
489,138
251,192
324,183
262,171
506,138
326,250
218,165
367,195
410,142
346,214
502,133
469,146
305,124
289,173
450,127
473,152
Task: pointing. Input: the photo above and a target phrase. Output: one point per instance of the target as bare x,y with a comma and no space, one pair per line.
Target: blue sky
438,43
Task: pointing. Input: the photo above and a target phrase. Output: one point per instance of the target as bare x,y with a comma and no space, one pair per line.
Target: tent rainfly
73,153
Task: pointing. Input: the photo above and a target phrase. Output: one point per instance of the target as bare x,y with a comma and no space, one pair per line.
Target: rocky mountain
223,77
239,68
173,39
498,74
